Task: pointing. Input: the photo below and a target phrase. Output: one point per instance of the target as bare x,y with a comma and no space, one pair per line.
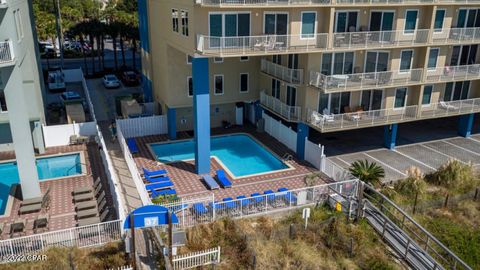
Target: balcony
270,3
360,81
453,73
6,54
291,76
260,45
360,119
289,113
456,36
380,39
450,108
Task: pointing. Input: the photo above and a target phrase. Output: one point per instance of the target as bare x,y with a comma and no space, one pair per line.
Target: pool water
47,168
239,153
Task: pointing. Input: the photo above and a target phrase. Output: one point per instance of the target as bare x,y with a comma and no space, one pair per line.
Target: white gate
280,132
314,154
143,126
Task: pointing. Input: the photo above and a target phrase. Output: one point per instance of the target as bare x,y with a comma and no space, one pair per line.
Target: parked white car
111,81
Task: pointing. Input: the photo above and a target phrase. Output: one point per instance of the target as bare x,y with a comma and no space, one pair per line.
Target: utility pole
58,21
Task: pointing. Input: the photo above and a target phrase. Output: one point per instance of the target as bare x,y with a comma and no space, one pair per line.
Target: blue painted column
201,111
465,124
302,134
172,123
144,46
390,136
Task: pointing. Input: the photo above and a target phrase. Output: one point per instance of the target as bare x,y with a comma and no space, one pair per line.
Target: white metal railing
85,236
143,126
291,113
456,35
334,171
6,52
453,73
197,259
379,39
192,213
132,167
289,75
342,82
261,2
329,122
447,108
377,2
261,44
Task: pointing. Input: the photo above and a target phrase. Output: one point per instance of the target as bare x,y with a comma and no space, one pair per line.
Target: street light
58,21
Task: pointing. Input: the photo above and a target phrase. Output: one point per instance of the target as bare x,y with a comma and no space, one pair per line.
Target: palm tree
367,172
79,30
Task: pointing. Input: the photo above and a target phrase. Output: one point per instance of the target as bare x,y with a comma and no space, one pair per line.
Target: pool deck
188,184
61,209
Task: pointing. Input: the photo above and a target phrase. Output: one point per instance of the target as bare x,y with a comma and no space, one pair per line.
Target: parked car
70,96
46,49
111,81
130,78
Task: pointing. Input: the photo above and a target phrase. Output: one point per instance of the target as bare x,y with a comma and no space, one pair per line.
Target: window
439,17
406,60
189,59
3,102
277,59
190,86
456,91
468,18
293,61
400,97
427,94
346,21
175,20
228,25
218,83
337,63
463,55
382,21
376,61
218,60
275,23
432,58
243,82
410,21
18,24
244,58
276,89
309,24
185,23
291,96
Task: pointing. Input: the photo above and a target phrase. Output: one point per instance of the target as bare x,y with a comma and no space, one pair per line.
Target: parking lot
426,145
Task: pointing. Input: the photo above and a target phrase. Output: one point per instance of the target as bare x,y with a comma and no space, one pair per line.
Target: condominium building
21,91
328,65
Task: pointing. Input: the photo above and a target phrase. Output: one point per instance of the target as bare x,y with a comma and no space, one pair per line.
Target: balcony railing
449,108
334,122
359,81
379,39
261,44
456,35
261,2
290,113
377,2
453,73
6,53
293,76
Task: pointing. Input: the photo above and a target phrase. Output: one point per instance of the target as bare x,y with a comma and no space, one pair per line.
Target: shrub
455,176
413,185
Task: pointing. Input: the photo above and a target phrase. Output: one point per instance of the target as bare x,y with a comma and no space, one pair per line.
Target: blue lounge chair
256,197
243,200
222,179
199,209
283,194
161,185
270,195
164,192
216,205
282,189
291,197
152,174
132,145
157,179
229,203
210,182
179,207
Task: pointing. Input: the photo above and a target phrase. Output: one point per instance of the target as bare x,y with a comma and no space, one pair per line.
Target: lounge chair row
158,183
90,204
221,178
34,204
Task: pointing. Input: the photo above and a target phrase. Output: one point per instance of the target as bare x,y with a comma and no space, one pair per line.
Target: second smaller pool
59,166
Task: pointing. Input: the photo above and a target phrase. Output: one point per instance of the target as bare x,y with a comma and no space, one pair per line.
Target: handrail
292,113
453,73
289,75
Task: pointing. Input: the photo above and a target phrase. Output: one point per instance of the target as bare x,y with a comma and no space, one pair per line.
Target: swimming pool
241,154
47,168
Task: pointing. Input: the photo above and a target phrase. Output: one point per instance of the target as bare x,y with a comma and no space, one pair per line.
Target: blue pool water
49,167
239,153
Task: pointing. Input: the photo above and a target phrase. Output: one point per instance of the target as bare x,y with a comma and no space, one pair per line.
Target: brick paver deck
189,184
61,209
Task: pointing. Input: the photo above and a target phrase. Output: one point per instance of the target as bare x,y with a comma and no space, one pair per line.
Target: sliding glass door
229,25
381,20
337,63
346,21
463,55
372,100
468,18
333,103
276,23
376,61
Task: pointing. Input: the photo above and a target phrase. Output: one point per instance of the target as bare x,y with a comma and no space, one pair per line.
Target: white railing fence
361,118
291,113
446,108
197,259
294,76
60,135
207,210
341,82
453,73
367,39
143,126
6,52
334,171
456,35
260,2
132,167
86,236
282,133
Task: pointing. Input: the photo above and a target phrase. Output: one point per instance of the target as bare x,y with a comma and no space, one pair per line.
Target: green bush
454,176
413,185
